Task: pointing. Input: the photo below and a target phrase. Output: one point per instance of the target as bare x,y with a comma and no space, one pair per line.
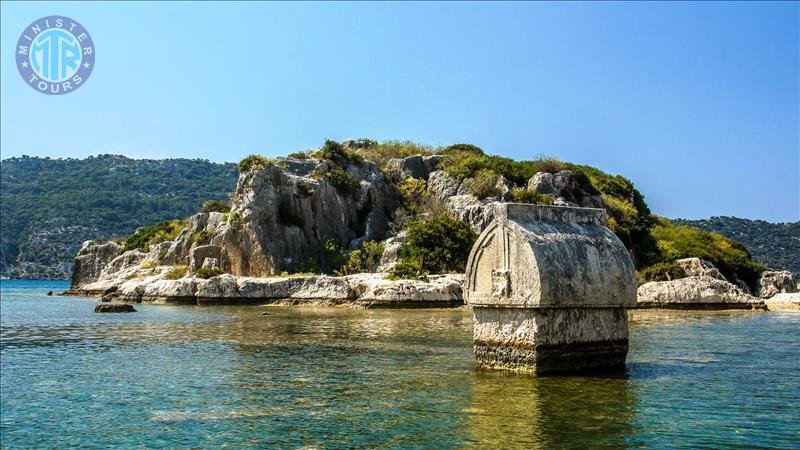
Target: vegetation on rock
207,273
435,244
146,236
253,162
215,206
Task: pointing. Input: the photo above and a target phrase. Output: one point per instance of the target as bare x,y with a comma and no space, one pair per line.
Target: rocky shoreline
369,290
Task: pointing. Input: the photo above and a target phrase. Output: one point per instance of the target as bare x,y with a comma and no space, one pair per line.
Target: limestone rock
696,267
776,282
702,292
91,260
784,302
391,252
114,308
374,290
412,166
565,188
199,254
442,186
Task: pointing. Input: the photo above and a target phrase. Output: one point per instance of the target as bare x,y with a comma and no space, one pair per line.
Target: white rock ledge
366,290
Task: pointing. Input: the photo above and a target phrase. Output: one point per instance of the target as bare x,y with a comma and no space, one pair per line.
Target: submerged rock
114,308
699,292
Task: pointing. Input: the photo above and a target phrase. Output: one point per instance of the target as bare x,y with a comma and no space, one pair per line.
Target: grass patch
207,273
215,206
146,236
176,272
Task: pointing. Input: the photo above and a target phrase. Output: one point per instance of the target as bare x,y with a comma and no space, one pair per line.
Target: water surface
288,377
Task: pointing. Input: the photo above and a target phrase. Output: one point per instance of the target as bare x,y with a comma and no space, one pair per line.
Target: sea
311,377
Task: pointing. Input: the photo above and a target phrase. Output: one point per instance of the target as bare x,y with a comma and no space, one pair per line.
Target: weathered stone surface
442,186
199,254
114,308
549,286
696,267
569,258
412,166
776,282
373,290
391,252
565,188
91,260
469,209
701,292
784,302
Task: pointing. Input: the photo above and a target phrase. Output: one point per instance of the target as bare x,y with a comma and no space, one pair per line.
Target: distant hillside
49,206
774,244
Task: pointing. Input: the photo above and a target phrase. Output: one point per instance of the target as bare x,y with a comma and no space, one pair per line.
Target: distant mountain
49,206
774,244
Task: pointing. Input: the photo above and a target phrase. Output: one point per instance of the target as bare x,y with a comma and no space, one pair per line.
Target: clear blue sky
696,103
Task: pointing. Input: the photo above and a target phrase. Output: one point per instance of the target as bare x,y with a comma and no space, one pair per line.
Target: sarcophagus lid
537,256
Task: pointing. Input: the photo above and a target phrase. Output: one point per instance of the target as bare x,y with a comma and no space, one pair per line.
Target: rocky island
391,225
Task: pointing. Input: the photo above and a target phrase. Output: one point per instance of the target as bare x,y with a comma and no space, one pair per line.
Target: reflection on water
335,377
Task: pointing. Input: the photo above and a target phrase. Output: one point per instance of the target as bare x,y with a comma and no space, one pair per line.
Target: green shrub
414,193
176,272
381,153
202,237
408,270
438,244
146,236
253,162
150,264
233,218
335,153
484,184
298,155
207,273
731,258
665,271
367,258
215,206
462,149
345,183
523,195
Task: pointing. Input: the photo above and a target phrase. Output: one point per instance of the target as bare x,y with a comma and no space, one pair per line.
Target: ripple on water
208,377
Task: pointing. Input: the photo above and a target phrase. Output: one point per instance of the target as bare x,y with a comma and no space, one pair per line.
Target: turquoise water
311,377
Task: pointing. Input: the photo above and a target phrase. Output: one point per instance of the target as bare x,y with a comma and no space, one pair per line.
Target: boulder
565,188
700,292
776,282
375,290
391,252
696,267
114,308
199,254
92,258
441,186
412,166
784,302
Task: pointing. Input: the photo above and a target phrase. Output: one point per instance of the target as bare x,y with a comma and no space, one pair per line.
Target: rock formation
695,292
776,282
549,286
784,302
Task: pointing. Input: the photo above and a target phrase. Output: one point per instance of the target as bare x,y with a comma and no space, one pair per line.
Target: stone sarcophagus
549,287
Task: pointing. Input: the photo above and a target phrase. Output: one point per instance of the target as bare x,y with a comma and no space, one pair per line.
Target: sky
696,103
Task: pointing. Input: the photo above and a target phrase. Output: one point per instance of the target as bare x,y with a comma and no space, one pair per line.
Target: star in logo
24,64
86,65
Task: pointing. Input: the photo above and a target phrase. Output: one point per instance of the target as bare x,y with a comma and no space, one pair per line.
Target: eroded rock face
563,186
548,287
696,267
700,292
776,282
284,219
92,258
